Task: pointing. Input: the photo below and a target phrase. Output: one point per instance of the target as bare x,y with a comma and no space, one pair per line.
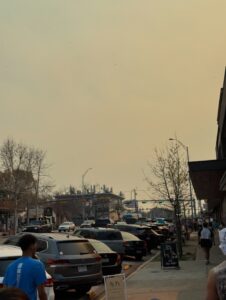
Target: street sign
169,257
115,287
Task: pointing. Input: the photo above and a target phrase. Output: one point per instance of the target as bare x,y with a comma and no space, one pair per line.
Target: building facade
80,207
209,177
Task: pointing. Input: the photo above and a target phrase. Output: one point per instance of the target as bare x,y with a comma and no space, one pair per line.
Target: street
130,265
97,292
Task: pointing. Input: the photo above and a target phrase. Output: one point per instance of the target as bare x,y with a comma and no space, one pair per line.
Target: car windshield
35,222
100,247
129,237
4,263
109,235
74,247
66,223
12,241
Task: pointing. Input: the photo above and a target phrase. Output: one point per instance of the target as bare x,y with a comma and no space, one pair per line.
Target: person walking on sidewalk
206,241
27,273
216,287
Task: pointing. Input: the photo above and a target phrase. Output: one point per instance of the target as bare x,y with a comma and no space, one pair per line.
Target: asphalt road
130,265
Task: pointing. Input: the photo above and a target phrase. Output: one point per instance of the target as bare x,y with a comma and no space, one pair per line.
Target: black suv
37,226
111,237
145,233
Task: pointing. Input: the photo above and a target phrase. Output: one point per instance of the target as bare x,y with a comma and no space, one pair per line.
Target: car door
113,239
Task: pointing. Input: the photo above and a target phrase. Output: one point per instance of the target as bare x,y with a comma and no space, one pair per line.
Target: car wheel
58,294
138,257
82,289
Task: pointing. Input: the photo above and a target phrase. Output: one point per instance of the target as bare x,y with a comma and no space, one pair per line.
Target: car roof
132,225
129,236
101,244
55,236
66,222
99,229
10,251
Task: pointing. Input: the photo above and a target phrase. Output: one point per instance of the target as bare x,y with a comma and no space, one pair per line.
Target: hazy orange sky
102,83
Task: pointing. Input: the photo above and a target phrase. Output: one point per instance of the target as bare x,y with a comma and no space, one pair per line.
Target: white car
66,226
8,254
87,224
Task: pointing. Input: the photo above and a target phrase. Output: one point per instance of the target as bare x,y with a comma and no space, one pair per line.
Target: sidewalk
151,282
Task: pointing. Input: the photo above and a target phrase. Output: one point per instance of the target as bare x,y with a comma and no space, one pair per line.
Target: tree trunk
178,227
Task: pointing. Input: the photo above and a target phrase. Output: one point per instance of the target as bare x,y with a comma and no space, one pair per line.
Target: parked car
71,261
111,261
160,229
144,233
37,226
87,224
66,226
103,222
8,254
134,246
111,237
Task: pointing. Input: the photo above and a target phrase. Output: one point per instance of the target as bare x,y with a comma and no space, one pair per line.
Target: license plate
82,268
105,260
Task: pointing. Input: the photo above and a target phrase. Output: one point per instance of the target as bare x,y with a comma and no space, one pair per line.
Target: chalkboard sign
169,257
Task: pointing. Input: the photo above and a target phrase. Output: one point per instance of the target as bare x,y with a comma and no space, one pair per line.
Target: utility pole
83,193
83,177
135,199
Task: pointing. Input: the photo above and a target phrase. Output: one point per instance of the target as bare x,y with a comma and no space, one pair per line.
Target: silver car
66,226
71,261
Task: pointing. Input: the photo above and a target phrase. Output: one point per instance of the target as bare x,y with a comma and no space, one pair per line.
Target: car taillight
49,282
98,258
118,259
1,285
57,261
125,243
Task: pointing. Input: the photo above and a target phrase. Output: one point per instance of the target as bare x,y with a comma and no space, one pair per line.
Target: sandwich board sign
115,287
169,257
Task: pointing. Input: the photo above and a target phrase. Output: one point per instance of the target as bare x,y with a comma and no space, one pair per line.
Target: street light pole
83,177
193,210
83,192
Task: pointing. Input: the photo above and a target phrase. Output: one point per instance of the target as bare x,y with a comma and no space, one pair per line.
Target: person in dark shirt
206,240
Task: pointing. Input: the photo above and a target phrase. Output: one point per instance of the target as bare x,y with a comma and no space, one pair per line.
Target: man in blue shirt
27,273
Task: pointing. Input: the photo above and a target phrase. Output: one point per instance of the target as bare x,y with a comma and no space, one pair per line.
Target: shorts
205,243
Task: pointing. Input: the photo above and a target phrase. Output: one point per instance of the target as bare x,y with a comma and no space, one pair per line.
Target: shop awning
206,177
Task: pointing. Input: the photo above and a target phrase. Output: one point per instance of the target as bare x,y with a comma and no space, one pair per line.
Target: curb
143,265
102,297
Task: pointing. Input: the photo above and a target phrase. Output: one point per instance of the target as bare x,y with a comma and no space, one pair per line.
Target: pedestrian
27,273
12,294
199,223
216,287
212,229
205,241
